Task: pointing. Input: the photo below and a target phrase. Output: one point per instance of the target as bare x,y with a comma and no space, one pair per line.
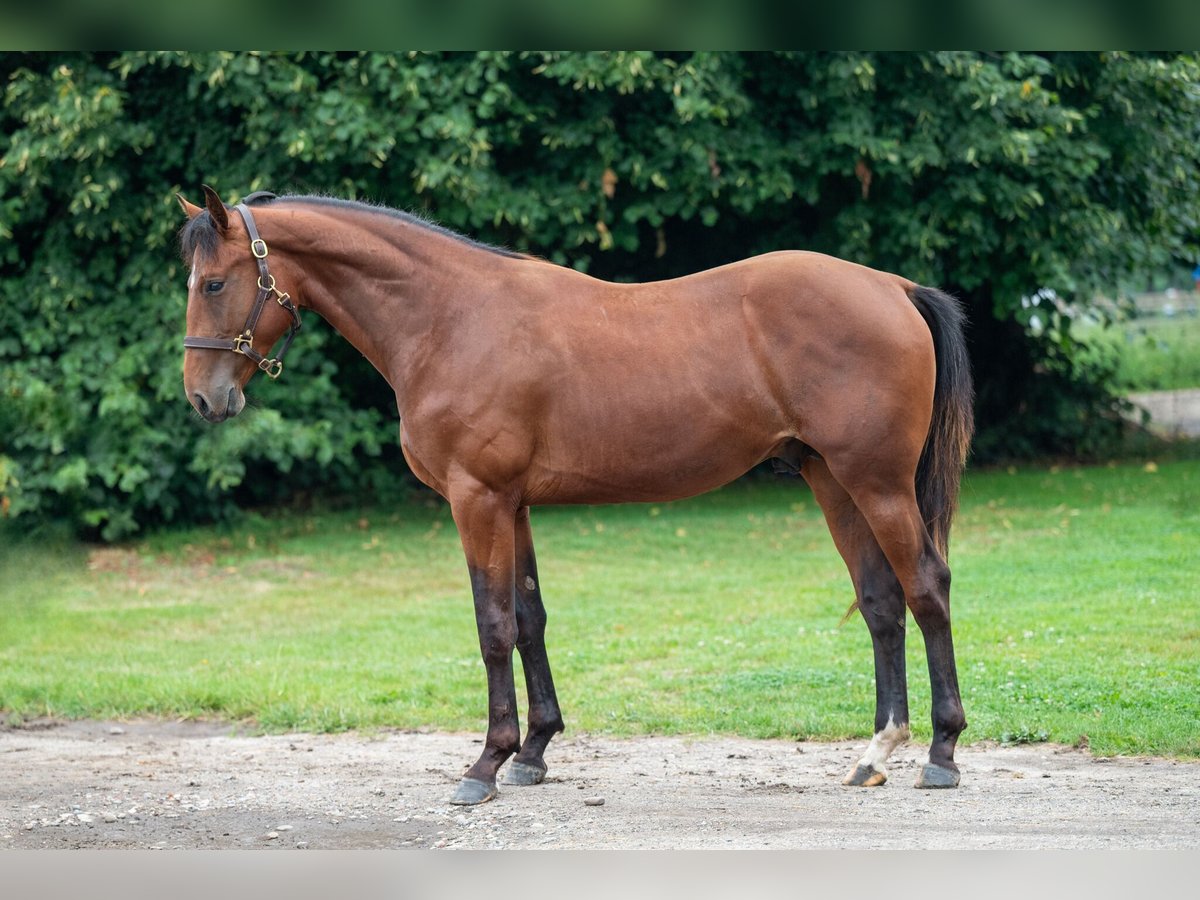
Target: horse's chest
421,462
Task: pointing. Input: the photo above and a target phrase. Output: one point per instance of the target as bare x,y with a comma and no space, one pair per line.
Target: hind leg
545,720
881,601
932,612
884,494
882,487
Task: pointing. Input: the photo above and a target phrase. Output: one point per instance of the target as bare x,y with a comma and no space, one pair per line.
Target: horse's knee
531,624
497,637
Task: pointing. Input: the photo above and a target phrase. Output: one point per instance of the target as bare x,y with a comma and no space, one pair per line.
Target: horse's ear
216,209
191,210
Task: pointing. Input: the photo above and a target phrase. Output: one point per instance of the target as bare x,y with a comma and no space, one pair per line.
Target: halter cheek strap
244,342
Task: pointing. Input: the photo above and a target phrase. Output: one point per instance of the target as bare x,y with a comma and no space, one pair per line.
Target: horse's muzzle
219,410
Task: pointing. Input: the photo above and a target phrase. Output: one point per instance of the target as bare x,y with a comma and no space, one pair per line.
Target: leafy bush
990,175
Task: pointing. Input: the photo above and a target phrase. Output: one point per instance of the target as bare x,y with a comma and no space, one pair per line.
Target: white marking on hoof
882,745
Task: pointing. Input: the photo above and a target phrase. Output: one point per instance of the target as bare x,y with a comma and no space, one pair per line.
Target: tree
991,175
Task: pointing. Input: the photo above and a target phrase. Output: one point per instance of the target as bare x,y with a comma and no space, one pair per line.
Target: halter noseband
244,342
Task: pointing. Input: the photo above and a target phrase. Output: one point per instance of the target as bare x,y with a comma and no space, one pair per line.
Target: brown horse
520,382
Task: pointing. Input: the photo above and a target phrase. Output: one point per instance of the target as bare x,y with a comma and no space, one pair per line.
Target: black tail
953,423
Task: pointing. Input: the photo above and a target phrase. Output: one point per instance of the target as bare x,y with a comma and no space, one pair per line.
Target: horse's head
235,312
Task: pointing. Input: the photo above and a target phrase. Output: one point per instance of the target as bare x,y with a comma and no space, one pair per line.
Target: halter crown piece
244,342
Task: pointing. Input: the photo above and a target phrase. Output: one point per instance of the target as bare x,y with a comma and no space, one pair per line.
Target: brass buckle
281,297
254,248
272,367
245,339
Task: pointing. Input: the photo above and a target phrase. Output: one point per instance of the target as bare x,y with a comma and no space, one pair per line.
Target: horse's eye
214,287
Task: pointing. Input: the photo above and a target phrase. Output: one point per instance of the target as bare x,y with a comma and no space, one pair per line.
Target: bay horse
520,382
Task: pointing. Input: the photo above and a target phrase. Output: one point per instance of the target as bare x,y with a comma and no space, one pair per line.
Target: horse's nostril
202,406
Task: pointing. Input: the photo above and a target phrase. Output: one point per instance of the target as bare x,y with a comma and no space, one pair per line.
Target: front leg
545,720
486,527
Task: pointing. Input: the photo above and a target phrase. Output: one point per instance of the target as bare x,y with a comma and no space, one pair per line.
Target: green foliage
1024,736
992,175
1149,353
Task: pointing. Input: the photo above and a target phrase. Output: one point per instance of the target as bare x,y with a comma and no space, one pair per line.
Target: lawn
1075,607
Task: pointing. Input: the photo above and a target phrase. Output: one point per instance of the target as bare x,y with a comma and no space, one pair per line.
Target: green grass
1075,610
1151,354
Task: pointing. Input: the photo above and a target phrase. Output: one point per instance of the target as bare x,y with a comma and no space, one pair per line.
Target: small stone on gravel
593,801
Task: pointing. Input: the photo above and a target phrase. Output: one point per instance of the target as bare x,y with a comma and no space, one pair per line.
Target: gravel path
194,785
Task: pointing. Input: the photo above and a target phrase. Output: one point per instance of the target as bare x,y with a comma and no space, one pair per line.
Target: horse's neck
384,290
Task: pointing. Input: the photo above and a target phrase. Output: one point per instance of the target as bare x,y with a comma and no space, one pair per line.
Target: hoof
935,776
865,776
472,791
522,774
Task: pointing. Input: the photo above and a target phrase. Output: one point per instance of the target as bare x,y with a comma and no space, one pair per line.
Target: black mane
199,233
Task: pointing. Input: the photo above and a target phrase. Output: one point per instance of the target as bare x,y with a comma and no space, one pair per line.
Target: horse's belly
645,464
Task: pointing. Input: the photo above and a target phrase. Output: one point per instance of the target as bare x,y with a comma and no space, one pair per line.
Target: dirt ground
170,785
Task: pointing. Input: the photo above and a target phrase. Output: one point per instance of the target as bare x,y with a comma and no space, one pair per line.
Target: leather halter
244,342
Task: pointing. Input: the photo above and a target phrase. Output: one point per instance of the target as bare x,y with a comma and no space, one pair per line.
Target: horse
520,383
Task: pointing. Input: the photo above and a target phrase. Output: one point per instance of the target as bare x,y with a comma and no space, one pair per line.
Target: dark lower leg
545,719
497,636
920,569
931,609
882,606
947,714
485,526
881,603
